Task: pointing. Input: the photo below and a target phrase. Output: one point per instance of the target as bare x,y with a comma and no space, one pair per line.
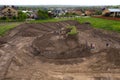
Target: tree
43,14
3,18
107,14
22,16
98,12
14,17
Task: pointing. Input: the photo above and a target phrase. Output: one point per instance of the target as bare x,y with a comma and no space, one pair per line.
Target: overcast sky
60,2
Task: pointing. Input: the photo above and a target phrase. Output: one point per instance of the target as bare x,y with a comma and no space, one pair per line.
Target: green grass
50,20
6,27
73,30
102,23
95,22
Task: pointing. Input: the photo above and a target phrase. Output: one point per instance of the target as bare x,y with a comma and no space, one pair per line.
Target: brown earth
36,52
109,18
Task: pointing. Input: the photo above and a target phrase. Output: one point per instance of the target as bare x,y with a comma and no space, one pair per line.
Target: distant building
89,12
50,13
9,11
1,14
31,14
58,12
78,12
111,12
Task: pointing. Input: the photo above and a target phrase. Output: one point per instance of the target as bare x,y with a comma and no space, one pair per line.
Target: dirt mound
36,52
109,18
32,30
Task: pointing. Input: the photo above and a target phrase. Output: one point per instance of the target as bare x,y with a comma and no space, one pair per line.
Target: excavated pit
36,52
51,47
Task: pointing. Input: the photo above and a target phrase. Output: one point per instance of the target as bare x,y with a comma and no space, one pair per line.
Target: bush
22,16
14,17
73,30
43,14
107,14
3,18
70,14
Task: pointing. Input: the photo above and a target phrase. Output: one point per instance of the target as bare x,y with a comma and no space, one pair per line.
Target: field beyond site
102,23
95,22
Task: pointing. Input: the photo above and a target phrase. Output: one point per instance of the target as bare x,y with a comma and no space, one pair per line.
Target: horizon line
55,5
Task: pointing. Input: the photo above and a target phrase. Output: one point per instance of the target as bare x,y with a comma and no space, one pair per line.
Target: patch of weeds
73,30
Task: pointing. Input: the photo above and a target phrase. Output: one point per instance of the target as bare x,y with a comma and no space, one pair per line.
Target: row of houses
10,11
106,12
60,11
114,12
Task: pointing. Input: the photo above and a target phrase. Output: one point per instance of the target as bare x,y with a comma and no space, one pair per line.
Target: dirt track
109,18
34,52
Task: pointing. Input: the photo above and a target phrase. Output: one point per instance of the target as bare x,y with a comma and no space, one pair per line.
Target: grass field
4,27
102,23
51,20
95,22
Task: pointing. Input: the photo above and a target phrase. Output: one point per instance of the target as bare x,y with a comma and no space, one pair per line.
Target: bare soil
36,52
109,18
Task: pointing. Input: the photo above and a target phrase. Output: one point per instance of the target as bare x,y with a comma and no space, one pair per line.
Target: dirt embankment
109,18
36,52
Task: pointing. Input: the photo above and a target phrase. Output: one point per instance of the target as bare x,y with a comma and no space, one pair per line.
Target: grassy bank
4,27
50,20
102,23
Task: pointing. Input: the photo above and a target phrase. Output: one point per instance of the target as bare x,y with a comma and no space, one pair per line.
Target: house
78,12
111,12
9,11
89,12
50,13
31,14
58,12
1,14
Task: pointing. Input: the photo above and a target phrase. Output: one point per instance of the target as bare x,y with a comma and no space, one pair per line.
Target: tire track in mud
5,60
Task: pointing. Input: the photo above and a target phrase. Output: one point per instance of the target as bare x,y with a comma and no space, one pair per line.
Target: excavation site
45,51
